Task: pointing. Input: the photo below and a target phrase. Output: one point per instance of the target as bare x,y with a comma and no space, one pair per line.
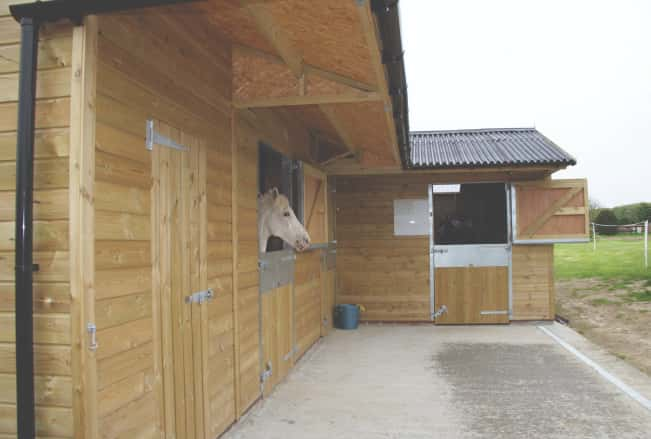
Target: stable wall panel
387,274
533,282
52,324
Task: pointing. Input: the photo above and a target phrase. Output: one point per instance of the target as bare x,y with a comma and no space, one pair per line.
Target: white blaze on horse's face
276,218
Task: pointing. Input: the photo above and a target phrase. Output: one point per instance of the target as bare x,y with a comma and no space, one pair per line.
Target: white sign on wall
411,217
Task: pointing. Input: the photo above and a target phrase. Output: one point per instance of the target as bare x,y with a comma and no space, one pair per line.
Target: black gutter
24,233
75,10
386,12
31,16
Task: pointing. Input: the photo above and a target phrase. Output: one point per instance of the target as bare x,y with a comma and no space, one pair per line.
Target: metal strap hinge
153,138
200,296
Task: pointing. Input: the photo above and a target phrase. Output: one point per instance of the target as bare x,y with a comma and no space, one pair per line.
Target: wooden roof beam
341,130
290,101
369,28
294,60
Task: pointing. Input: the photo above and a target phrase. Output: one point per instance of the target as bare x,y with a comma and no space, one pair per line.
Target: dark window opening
277,170
475,215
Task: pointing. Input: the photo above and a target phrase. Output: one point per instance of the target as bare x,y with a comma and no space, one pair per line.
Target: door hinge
442,310
200,296
152,137
268,371
92,332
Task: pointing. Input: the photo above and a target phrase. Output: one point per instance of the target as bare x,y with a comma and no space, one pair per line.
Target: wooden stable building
134,301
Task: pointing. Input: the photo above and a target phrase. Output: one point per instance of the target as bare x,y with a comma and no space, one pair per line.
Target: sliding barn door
181,298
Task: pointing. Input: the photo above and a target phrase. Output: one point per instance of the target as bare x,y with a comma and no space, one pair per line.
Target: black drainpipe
31,16
24,231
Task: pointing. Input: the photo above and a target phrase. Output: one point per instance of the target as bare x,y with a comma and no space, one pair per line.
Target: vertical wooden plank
196,266
162,157
551,314
156,219
176,285
184,237
82,225
203,282
235,246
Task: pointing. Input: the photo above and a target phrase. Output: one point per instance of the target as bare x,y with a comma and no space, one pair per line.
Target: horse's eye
286,214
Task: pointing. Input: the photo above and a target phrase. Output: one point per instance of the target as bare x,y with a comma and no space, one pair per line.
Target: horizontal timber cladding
146,72
52,300
307,300
277,334
533,282
387,274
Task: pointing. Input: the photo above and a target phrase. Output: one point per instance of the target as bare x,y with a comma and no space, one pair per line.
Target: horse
276,218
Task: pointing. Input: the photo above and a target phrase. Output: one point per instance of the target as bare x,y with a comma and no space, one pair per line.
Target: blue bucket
346,316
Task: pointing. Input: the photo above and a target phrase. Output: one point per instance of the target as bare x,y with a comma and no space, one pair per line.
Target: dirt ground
612,314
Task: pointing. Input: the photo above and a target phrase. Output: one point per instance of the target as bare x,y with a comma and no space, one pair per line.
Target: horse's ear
274,192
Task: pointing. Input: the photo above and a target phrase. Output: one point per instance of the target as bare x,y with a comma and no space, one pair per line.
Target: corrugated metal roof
484,148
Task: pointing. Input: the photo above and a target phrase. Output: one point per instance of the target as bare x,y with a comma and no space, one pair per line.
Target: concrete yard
421,381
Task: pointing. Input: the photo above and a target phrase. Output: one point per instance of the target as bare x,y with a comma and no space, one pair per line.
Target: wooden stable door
179,261
472,295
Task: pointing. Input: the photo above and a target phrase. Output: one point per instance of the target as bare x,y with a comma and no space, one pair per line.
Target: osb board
233,22
533,282
386,274
469,291
366,125
255,76
52,324
327,34
136,82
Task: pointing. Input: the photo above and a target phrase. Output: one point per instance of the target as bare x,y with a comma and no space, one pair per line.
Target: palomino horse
276,218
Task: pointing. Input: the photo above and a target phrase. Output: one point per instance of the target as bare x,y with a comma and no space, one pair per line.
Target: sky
579,71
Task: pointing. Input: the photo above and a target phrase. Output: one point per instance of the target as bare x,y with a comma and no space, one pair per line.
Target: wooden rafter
341,130
289,101
294,61
334,158
370,31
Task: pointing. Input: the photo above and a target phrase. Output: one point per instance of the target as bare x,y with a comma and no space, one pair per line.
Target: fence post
594,238
646,244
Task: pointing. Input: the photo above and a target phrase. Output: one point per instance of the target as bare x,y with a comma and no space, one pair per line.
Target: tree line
625,214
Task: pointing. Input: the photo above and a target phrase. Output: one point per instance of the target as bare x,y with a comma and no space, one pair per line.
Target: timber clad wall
307,294
141,75
387,274
533,282
246,145
52,303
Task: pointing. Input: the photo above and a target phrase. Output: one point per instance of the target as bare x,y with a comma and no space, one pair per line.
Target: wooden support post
82,226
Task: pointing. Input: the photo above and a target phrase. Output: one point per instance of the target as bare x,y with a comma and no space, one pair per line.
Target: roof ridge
474,130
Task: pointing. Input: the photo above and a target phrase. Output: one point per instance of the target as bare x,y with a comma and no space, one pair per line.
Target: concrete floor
417,382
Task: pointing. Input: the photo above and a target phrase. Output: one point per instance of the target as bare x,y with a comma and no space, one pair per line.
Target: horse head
276,218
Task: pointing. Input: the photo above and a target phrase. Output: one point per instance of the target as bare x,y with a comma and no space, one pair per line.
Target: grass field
606,295
616,258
